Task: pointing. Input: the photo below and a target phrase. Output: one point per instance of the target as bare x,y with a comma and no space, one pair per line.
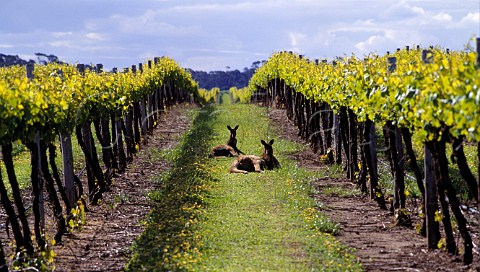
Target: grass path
206,219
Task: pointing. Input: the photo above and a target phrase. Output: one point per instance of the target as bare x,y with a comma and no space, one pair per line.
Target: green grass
266,221
206,219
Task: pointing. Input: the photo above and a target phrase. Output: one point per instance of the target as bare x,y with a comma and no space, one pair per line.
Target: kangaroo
227,150
251,163
232,141
267,156
247,163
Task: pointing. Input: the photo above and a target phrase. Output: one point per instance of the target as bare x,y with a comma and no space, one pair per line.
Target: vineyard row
44,103
433,93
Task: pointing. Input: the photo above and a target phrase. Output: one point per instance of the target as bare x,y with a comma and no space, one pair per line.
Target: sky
220,35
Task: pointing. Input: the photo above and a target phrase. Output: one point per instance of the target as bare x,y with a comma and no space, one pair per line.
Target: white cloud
365,45
149,23
65,44
296,38
61,34
442,17
78,46
401,10
472,18
95,36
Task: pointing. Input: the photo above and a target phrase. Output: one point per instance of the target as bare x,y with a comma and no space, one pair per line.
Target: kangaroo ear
236,127
229,128
271,142
263,142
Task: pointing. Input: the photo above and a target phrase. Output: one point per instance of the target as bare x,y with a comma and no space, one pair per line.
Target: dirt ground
104,242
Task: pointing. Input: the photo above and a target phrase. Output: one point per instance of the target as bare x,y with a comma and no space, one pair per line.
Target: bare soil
105,241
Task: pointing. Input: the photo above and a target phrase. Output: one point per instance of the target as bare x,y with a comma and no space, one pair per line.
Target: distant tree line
224,80
10,60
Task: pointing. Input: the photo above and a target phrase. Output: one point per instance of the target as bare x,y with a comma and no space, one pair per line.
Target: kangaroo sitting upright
251,163
227,150
267,156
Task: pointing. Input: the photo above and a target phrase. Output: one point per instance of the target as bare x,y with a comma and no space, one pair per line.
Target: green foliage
422,97
59,97
42,261
242,95
208,96
77,218
427,98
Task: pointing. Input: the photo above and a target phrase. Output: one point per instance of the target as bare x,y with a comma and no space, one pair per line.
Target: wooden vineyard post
87,140
160,93
344,137
117,137
373,155
68,174
431,204
152,113
352,140
392,64
337,142
67,159
143,112
136,117
396,156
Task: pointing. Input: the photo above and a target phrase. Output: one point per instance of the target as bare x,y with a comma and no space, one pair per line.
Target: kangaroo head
233,135
267,147
233,131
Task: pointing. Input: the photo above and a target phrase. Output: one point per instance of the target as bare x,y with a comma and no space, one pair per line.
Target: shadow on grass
169,241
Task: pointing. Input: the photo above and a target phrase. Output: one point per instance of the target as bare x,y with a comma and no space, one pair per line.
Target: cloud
401,10
372,41
82,47
95,36
148,23
61,34
472,18
442,17
296,39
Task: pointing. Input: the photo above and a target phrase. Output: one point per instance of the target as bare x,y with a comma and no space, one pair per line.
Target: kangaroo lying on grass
251,163
227,150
